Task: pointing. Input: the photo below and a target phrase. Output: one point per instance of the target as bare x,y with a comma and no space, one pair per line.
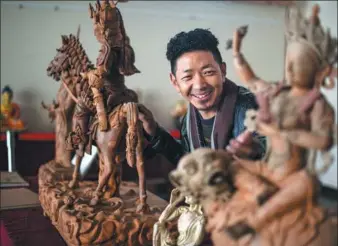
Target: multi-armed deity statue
273,201
94,106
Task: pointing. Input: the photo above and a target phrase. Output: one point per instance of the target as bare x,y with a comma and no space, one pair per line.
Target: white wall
328,16
29,37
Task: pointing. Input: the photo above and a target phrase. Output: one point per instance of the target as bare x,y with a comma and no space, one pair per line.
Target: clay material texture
274,201
94,106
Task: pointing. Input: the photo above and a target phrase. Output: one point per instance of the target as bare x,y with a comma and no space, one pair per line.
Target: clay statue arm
254,167
309,139
322,129
176,213
242,67
100,109
95,81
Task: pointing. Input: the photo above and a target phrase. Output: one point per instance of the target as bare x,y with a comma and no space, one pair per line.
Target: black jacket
173,150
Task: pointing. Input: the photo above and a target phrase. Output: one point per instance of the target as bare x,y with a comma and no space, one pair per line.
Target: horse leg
107,143
109,168
80,128
113,183
75,178
142,207
118,176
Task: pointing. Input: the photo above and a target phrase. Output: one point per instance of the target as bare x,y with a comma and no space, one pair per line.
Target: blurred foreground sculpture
95,107
274,201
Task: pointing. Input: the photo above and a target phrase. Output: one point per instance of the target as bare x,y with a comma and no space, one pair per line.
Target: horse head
70,59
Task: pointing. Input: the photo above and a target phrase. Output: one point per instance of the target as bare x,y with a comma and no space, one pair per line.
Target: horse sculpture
106,111
70,60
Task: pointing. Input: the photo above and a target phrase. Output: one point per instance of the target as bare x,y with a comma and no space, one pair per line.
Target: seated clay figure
298,122
229,193
295,117
10,112
190,224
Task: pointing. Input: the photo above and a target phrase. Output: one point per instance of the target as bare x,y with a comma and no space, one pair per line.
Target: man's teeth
202,96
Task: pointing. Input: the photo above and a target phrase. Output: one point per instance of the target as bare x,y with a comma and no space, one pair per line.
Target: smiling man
217,106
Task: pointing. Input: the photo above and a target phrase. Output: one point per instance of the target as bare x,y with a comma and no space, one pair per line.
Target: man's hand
244,146
148,121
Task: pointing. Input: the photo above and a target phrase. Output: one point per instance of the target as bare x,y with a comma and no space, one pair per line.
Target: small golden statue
190,224
10,112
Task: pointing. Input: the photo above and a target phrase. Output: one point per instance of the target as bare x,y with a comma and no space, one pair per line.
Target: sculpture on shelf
179,112
104,112
274,201
71,60
190,224
10,112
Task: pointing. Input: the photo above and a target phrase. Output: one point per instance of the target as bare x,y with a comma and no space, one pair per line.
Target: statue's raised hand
175,195
239,34
236,41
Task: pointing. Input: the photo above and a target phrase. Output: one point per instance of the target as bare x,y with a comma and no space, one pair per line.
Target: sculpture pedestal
113,221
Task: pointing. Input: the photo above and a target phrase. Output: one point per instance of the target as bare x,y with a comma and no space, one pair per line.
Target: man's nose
199,82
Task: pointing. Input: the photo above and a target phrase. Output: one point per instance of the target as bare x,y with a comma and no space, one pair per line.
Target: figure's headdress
7,89
102,13
311,33
109,30
105,15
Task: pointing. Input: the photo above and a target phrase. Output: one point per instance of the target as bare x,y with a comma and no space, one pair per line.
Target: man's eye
209,72
186,78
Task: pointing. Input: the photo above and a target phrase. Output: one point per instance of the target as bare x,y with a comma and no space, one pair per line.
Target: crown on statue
311,33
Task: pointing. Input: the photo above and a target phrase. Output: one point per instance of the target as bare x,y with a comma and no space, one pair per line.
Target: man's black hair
8,90
197,39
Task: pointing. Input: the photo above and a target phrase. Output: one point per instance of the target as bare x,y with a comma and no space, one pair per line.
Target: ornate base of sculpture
113,221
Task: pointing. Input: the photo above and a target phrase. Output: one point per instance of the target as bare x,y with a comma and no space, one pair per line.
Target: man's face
199,79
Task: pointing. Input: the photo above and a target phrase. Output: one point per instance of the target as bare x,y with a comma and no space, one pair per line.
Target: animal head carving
204,175
70,59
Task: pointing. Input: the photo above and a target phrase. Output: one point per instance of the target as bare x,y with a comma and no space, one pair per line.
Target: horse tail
133,132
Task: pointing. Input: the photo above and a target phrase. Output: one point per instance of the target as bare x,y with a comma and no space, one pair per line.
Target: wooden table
22,220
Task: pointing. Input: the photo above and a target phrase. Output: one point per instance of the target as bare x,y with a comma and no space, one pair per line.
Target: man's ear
173,81
224,69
